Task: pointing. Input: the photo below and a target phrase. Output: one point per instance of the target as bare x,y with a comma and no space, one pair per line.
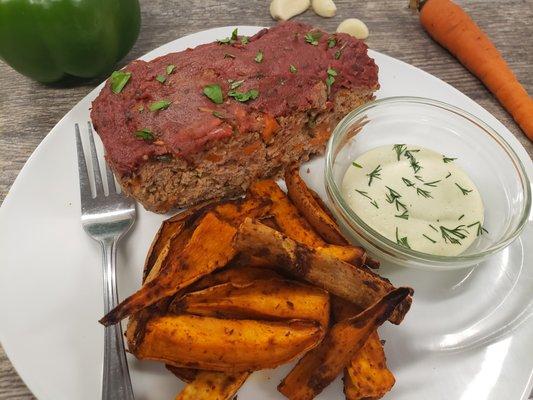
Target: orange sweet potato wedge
212,385
208,248
356,284
223,345
320,366
263,299
313,212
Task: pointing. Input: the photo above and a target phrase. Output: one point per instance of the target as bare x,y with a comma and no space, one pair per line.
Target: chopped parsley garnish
356,165
402,241
331,42
214,93
463,190
245,40
428,238
480,229
159,105
119,80
313,38
145,134
170,68
244,96
331,78
337,54
230,40
453,235
448,159
161,78
259,57
375,174
292,69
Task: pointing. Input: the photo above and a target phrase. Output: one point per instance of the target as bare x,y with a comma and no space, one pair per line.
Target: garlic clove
354,27
324,8
286,9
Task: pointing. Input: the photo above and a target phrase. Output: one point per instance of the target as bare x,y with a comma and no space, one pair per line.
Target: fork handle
116,382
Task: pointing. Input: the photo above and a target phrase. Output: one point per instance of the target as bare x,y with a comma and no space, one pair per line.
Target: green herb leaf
402,241
432,184
292,69
423,193
330,79
412,160
419,178
404,215
244,96
313,37
452,235
331,72
245,40
407,182
374,203
235,35
259,57
119,80
480,229
447,176
364,194
159,105
375,174
331,42
170,68
448,159
432,227
337,54
463,190
428,238
145,134
214,93
399,149
161,78
460,218
356,165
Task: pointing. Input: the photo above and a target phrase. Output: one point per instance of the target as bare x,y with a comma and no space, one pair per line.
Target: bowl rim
371,234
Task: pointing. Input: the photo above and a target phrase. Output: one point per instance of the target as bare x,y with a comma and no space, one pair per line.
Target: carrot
452,27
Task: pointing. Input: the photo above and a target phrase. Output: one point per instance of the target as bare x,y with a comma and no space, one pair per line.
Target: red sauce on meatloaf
188,125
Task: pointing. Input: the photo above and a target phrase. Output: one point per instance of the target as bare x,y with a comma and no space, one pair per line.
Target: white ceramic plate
465,337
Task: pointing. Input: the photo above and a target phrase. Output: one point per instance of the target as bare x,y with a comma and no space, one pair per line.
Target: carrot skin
450,26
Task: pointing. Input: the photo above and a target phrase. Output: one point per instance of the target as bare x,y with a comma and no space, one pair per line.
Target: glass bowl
480,151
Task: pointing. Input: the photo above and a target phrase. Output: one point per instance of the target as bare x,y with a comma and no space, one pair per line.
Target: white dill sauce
415,197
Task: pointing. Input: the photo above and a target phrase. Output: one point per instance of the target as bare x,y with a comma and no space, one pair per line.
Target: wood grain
28,110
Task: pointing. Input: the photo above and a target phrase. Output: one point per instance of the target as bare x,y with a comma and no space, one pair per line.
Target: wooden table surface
28,110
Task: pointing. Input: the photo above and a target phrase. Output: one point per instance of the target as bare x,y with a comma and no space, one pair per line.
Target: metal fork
106,218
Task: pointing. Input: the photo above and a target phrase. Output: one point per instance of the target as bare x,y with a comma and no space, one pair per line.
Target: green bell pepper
48,40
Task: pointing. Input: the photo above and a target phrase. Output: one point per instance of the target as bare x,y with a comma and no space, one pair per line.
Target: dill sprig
463,190
419,178
393,197
453,235
448,159
375,174
399,149
374,203
402,241
432,227
363,193
432,184
407,182
447,176
428,238
404,215
460,218
412,160
480,229
357,165
424,193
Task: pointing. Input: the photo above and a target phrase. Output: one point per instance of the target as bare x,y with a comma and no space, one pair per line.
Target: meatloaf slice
283,91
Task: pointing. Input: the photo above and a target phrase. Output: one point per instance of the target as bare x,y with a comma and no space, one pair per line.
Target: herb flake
214,93
375,174
447,160
463,190
313,38
170,68
159,105
244,96
480,229
292,69
428,238
160,78
259,57
402,241
119,80
144,134
356,165
453,235
331,42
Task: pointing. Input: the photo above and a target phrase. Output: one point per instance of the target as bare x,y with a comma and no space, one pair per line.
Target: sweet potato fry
187,375
209,248
212,385
238,276
356,284
367,375
312,211
320,366
350,254
222,344
286,214
264,299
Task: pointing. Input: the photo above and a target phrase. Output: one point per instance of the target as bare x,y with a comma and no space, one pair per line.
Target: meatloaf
204,123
